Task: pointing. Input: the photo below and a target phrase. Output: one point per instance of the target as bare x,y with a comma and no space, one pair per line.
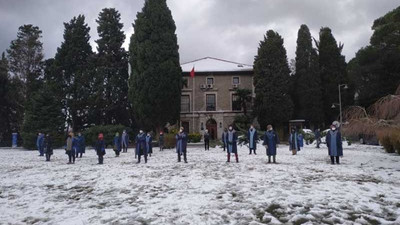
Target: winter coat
161,140
117,144
100,148
271,139
124,140
40,142
140,144
75,144
149,146
80,142
48,146
253,142
206,136
181,142
69,144
317,134
334,143
231,144
294,142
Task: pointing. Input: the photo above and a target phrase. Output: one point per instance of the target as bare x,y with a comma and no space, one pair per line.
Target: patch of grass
234,194
371,220
300,221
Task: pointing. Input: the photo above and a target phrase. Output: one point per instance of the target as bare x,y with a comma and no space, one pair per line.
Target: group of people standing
75,145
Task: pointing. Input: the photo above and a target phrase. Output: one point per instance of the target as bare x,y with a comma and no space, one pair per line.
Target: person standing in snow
271,141
181,144
161,141
334,143
206,140
140,146
70,148
317,135
231,140
39,143
225,144
294,144
124,141
100,148
48,147
301,140
80,142
117,144
253,139
149,146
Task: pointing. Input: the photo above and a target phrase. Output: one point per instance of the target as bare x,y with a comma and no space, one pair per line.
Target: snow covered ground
364,189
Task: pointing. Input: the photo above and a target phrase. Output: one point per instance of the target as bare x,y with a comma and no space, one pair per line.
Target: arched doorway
211,126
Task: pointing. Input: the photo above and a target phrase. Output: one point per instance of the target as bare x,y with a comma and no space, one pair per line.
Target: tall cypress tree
333,72
5,131
72,63
156,80
307,80
112,70
273,104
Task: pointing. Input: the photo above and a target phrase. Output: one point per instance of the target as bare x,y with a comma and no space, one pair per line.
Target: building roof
210,64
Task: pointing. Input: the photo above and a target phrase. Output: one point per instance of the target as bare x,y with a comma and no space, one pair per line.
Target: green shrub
169,140
194,137
29,140
308,137
108,131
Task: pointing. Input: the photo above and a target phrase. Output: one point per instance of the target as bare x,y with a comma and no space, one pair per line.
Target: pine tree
307,87
375,70
156,80
25,57
73,64
332,66
112,70
273,104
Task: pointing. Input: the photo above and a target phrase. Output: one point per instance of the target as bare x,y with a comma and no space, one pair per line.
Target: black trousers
124,148
254,150
48,156
333,159
207,144
184,157
145,158
71,157
78,154
273,158
101,159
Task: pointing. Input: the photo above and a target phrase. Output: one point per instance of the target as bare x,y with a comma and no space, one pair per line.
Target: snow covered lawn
364,189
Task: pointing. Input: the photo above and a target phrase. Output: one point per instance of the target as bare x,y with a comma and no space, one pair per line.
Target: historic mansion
208,99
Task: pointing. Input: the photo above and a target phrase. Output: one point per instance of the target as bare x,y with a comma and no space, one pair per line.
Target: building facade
208,99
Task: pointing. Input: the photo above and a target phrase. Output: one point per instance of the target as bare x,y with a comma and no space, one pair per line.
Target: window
185,103
236,103
185,83
210,80
235,80
210,102
185,125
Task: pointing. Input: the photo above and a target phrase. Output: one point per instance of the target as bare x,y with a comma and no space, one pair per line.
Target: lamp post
340,102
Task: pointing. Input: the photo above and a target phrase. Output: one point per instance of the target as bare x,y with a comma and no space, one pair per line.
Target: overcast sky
227,29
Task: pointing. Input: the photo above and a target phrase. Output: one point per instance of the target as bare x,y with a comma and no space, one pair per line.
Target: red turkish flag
192,73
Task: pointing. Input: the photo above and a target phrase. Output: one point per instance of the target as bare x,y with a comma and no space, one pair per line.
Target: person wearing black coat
48,147
206,140
100,148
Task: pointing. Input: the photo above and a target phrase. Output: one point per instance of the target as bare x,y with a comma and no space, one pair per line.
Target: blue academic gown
140,144
125,141
294,142
81,144
117,144
271,140
253,139
334,143
181,142
40,142
149,147
231,144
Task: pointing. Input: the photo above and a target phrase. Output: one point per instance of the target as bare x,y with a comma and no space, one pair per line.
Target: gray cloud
228,29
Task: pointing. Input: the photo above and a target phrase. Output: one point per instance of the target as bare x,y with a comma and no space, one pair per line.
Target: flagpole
193,105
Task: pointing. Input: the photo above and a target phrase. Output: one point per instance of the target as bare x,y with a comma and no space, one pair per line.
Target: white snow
210,64
364,189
